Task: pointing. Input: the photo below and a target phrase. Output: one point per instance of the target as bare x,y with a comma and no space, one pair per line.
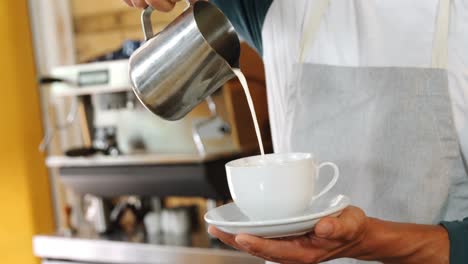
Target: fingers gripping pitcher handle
336,174
146,21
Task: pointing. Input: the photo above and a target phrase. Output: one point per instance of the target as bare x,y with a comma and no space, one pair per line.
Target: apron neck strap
440,42
439,47
311,27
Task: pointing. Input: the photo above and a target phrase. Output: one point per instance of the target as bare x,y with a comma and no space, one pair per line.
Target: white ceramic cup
276,186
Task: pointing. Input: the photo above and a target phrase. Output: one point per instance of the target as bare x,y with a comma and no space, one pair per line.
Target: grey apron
389,129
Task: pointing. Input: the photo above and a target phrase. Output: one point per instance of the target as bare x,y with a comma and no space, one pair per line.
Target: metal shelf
160,175
132,160
89,90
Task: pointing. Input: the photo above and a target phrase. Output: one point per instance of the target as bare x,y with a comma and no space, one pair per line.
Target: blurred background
87,175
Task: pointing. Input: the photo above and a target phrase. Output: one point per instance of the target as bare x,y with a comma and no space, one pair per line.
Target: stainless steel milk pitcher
175,70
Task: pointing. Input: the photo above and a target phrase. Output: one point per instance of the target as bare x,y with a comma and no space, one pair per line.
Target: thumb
348,226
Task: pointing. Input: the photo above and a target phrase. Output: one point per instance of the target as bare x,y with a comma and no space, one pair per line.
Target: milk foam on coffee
245,86
270,160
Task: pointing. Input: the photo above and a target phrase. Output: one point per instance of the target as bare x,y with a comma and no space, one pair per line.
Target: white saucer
230,219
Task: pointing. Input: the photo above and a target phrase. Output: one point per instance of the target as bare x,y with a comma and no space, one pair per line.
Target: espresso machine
107,112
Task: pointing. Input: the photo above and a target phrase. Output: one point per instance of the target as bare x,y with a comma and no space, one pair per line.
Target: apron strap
312,26
440,43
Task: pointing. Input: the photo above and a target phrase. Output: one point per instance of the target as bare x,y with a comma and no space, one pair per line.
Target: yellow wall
25,204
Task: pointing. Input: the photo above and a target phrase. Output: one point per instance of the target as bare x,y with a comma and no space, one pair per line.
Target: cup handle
336,173
146,21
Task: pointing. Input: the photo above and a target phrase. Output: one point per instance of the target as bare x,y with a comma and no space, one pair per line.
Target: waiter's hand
331,238
351,235
161,5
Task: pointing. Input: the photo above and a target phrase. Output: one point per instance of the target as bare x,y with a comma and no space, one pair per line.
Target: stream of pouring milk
245,86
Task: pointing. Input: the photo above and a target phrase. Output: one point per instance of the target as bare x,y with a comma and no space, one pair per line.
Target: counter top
105,251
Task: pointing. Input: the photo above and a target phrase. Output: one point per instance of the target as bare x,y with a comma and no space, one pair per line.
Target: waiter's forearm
391,242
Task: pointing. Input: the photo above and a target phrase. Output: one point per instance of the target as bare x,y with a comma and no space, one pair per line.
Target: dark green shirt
458,236
247,16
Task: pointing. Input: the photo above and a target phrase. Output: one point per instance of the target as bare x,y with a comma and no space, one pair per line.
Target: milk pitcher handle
336,174
146,21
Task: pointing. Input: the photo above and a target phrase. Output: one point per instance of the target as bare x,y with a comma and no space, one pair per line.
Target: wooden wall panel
102,26
93,7
90,46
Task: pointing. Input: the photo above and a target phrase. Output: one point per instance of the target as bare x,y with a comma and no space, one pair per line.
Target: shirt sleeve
458,236
247,17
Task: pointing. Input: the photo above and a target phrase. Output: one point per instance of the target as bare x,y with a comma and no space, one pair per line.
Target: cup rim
293,158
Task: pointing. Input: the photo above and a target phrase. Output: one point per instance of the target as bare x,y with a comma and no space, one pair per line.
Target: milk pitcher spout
176,69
